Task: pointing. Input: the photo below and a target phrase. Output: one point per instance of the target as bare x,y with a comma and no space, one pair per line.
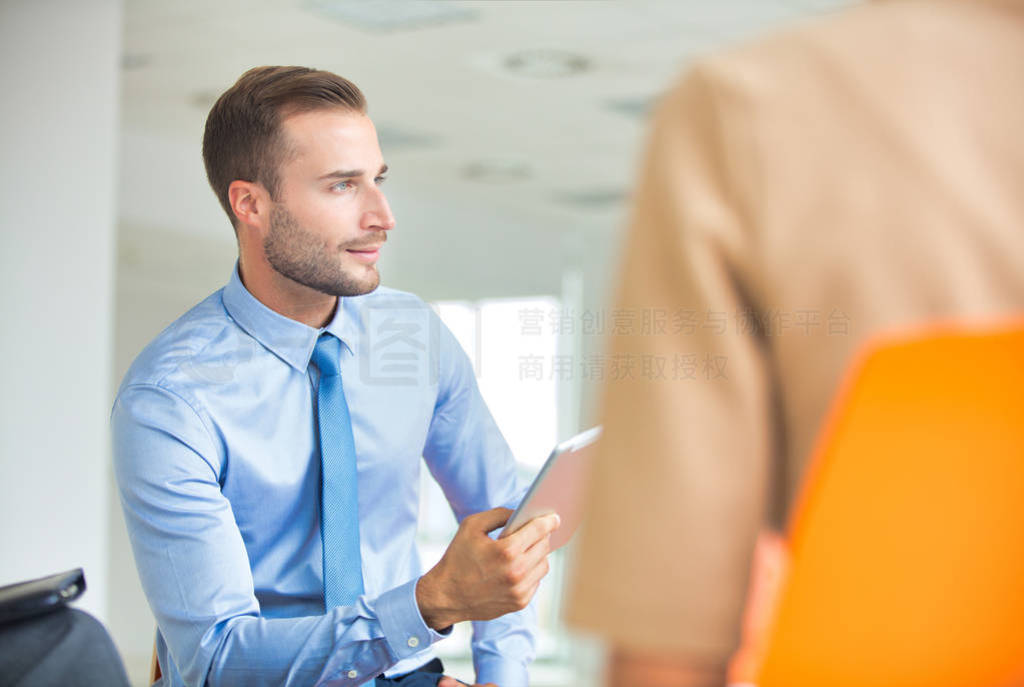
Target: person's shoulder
869,35
811,33
818,63
167,359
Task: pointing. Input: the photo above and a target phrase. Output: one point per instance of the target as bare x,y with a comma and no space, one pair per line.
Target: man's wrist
406,632
436,610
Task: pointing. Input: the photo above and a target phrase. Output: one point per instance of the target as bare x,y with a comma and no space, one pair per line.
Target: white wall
160,275
59,69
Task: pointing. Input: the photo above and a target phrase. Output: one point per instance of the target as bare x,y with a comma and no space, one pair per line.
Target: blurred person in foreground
860,173
268,444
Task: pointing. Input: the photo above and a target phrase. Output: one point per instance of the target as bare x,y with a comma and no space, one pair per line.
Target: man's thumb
484,522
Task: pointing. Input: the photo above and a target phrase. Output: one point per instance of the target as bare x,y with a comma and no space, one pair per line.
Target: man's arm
196,574
472,463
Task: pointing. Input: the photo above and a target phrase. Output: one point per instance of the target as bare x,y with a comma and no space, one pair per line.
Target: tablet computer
558,488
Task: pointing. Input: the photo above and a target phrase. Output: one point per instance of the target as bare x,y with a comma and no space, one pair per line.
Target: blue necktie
339,491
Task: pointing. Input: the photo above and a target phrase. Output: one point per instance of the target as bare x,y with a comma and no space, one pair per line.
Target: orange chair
906,564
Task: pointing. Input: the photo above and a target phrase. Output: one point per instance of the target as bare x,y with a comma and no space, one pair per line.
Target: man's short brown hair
243,138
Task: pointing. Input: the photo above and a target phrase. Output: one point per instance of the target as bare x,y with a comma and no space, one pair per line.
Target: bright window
511,343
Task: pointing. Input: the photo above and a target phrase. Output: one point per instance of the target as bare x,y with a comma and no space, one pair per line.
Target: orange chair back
907,545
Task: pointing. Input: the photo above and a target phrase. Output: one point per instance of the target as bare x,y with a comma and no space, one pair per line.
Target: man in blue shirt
219,431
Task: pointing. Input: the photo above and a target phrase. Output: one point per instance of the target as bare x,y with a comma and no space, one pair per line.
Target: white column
59,70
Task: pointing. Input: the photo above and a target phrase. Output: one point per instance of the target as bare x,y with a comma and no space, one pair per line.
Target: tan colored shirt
859,174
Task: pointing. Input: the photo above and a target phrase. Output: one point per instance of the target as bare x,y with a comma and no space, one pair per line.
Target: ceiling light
132,61
393,138
593,199
390,15
546,64
497,171
638,108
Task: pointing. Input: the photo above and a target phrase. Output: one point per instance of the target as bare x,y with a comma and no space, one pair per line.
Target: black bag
34,597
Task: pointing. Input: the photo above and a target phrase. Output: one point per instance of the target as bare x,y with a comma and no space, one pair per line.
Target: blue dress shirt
218,468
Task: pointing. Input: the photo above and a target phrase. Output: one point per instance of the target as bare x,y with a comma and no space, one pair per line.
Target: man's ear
250,202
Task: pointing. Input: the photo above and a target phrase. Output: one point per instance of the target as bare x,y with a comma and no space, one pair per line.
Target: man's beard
295,253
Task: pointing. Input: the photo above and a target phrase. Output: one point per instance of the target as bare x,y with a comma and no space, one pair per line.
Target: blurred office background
512,129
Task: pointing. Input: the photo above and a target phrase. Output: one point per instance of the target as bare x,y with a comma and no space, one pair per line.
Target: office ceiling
511,127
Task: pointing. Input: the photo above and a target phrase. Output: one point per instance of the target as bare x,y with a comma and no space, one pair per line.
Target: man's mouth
368,255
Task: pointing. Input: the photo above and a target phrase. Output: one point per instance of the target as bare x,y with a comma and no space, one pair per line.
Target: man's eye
341,186
380,180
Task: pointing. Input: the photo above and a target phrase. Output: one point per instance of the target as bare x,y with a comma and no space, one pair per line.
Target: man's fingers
532,579
524,594
487,520
535,530
446,681
538,552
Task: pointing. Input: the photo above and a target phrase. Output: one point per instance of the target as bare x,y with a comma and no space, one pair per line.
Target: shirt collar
288,339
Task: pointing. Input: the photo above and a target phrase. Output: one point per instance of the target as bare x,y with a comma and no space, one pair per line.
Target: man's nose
378,213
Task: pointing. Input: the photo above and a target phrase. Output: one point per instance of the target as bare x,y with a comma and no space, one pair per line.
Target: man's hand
452,682
479,578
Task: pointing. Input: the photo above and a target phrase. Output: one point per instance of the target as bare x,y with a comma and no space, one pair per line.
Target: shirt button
413,642
353,674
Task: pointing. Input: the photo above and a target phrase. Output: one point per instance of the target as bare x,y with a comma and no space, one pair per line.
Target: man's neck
286,297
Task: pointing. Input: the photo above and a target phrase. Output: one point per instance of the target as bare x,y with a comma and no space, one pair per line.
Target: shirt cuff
404,628
501,671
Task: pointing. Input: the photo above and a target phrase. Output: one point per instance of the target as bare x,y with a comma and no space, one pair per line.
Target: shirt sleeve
472,463
679,480
195,571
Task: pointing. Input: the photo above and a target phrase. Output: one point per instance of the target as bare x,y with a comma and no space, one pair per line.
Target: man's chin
338,286
360,288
